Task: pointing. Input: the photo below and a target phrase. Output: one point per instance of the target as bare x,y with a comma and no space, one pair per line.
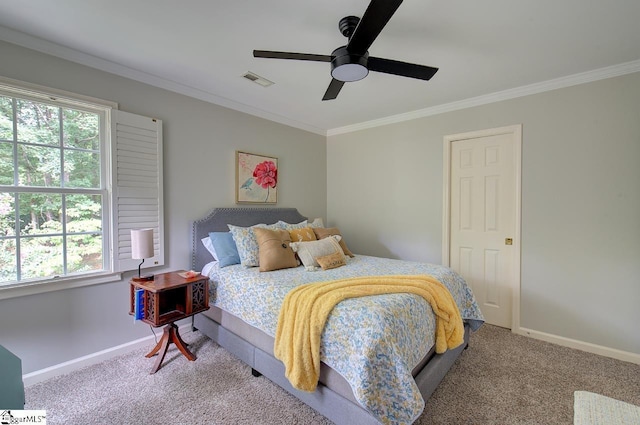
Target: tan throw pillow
309,251
302,235
274,251
332,261
322,233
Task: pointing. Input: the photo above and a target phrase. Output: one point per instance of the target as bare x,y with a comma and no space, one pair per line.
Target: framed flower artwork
256,179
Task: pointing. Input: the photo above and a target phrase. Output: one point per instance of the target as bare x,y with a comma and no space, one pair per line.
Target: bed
248,332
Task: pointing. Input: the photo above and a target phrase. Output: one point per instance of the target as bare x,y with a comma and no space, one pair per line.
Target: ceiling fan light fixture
347,67
349,72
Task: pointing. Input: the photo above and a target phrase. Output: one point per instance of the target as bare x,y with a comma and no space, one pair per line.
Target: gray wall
383,186
200,140
580,201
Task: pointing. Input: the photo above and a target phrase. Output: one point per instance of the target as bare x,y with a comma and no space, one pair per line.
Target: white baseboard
91,359
580,345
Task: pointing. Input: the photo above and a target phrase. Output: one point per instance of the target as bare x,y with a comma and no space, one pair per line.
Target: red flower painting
266,174
256,178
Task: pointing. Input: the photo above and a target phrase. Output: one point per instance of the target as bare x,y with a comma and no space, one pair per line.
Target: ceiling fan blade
403,69
333,89
373,21
289,55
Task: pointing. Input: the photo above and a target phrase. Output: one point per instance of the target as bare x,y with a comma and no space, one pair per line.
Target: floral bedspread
374,342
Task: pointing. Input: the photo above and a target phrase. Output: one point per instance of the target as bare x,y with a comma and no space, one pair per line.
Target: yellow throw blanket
305,310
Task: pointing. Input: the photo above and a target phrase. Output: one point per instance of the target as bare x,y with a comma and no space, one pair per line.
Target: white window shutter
137,186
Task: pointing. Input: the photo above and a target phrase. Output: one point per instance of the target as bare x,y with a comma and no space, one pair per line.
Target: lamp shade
141,244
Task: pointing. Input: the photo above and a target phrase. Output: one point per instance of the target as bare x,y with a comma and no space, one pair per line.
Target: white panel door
483,220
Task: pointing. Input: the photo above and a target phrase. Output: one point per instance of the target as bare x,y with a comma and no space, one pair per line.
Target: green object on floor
12,388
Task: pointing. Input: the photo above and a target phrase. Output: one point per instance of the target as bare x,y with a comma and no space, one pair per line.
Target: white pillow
209,245
206,270
310,250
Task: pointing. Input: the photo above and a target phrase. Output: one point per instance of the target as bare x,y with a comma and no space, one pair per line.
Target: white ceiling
484,49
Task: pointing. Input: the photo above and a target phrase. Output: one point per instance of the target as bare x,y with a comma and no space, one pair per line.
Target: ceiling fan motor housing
347,25
348,67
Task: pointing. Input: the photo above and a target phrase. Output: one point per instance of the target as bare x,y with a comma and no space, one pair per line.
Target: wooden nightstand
167,299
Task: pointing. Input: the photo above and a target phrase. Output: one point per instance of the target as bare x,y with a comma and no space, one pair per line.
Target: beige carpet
501,379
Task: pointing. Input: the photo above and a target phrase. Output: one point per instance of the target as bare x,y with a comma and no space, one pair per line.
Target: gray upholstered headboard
218,219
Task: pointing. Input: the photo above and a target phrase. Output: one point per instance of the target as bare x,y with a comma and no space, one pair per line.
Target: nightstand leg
161,347
182,346
170,335
156,348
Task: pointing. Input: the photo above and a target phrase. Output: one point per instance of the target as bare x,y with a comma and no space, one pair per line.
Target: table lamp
141,248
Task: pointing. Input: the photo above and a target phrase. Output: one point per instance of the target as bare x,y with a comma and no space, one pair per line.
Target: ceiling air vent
258,79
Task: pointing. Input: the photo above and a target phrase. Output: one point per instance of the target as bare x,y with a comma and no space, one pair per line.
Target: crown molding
47,47
544,86
53,49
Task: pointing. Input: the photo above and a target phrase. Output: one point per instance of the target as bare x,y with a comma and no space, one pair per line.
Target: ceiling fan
352,62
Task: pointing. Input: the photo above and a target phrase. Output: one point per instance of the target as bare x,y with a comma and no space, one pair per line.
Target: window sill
40,287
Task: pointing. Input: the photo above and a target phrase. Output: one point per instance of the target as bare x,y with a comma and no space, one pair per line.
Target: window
69,194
